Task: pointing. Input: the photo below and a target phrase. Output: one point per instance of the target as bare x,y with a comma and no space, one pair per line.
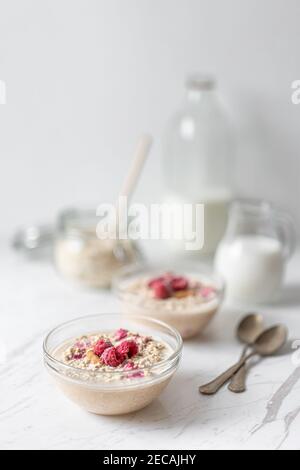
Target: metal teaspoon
267,344
247,332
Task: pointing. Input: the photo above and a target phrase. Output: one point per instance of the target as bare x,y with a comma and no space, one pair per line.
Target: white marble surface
34,415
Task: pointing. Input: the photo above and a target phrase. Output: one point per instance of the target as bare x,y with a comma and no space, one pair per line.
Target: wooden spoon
130,181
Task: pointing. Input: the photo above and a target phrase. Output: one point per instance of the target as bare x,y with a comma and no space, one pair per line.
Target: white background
85,77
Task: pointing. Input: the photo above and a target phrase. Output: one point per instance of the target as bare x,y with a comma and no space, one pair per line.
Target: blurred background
85,77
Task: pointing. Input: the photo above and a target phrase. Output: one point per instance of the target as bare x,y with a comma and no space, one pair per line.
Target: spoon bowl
271,340
250,328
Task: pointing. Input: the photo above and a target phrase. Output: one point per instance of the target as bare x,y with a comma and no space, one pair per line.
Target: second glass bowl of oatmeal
110,364
186,296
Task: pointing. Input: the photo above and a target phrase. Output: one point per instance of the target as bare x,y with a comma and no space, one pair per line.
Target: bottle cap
200,82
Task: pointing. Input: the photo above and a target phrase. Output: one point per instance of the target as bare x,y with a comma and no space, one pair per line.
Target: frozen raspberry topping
111,357
134,375
129,366
121,334
179,283
100,346
164,286
156,280
127,349
161,290
79,355
82,344
117,358
179,287
207,291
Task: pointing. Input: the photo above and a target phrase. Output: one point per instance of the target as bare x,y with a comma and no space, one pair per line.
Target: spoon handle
238,381
216,384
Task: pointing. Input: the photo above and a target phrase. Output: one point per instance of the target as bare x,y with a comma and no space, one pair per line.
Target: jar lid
34,239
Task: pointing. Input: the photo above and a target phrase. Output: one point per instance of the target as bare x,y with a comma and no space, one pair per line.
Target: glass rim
169,360
252,205
78,228
77,214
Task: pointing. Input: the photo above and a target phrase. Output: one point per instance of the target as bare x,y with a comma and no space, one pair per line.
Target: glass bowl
188,315
124,392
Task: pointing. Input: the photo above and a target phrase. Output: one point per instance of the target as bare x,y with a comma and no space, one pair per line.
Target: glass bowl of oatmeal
186,297
79,255
111,364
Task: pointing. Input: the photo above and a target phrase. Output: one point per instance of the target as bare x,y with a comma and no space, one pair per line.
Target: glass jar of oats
81,256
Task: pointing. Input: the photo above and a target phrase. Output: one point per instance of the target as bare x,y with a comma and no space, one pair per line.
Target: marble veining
275,403
288,420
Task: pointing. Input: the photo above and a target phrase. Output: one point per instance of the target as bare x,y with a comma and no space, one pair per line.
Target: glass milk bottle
198,158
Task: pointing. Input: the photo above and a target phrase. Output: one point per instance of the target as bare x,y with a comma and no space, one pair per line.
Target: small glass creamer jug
253,254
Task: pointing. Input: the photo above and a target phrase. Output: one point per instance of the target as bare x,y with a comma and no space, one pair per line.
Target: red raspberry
121,334
127,349
129,366
161,291
80,345
207,291
134,375
111,357
179,283
100,346
154,281
79,354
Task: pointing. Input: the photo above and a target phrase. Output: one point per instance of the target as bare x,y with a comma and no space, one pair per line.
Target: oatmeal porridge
115,371
188,303
119,355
